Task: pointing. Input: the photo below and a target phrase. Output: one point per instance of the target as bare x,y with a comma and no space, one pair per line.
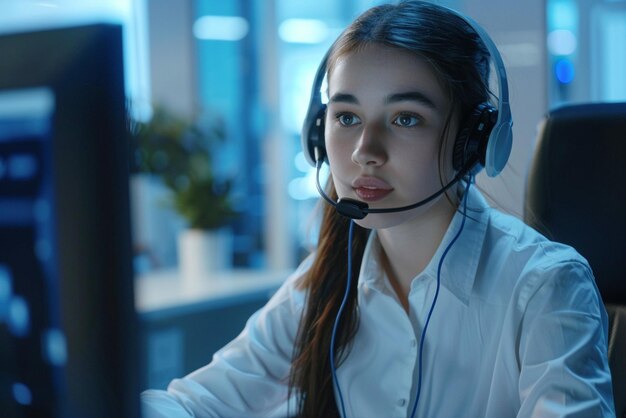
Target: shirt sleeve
563,345
246,378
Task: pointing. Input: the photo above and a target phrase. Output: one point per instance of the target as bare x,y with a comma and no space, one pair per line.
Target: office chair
576,194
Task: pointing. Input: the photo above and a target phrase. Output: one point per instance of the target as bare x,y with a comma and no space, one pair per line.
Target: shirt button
401,402
413,343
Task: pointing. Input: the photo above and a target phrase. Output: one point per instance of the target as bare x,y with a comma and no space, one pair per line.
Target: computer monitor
67,319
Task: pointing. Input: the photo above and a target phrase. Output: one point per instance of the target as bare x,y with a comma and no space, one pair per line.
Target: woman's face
386,114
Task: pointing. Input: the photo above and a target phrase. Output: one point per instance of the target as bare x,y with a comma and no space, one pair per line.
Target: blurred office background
250,64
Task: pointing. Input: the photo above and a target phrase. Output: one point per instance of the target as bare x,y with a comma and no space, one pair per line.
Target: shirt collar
461,262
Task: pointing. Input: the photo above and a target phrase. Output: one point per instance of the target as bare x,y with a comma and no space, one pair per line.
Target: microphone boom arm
356,209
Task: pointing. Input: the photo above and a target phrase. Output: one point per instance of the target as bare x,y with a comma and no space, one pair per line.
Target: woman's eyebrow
343,98
413,96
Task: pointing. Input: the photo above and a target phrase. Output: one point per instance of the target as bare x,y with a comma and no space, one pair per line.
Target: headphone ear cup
473,137
313,134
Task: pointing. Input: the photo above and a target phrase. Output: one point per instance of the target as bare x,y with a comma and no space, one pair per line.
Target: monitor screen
67,319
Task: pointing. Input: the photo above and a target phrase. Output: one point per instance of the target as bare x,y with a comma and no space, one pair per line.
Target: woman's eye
406,121
347,119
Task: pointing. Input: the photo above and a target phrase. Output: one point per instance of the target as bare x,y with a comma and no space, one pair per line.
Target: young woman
445,309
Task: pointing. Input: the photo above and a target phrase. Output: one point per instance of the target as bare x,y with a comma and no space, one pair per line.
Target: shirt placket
420,302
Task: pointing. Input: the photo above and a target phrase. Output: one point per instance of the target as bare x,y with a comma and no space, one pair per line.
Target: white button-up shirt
518,330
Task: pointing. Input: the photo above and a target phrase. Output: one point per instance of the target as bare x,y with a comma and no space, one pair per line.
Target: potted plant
181,152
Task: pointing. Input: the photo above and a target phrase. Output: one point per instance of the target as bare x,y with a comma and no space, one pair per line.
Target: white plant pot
203,254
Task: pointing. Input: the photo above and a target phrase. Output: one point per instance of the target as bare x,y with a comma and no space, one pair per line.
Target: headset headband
501,137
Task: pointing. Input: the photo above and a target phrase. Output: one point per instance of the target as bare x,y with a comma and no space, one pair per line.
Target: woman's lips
371,189
371,195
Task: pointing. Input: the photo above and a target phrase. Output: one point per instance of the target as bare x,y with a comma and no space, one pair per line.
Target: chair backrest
576,194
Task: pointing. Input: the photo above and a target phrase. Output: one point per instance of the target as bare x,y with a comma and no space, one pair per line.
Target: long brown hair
461,61
326,283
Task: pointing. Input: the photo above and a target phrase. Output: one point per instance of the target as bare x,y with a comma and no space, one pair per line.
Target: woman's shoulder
518,258
518,240
509,242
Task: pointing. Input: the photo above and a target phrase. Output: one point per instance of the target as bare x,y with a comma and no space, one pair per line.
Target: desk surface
165,293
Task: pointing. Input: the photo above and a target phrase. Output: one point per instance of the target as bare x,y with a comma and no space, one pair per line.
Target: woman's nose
369,149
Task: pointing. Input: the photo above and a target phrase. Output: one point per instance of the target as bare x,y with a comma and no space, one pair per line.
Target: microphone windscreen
351,208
